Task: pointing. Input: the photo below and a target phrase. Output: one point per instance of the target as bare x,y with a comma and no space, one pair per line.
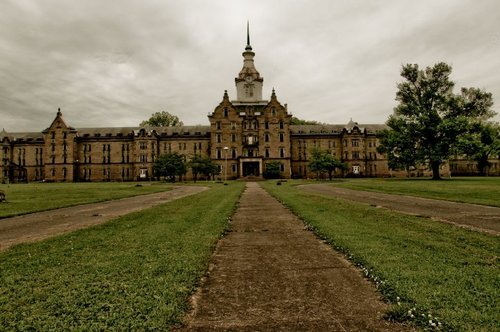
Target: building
245,134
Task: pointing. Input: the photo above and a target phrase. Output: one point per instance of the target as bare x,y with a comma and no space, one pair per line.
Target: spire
59,111
248,47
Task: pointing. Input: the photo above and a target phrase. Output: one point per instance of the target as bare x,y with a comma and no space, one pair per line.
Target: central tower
249,82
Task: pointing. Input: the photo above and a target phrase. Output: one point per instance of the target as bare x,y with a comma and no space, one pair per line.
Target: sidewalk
41,225
270,274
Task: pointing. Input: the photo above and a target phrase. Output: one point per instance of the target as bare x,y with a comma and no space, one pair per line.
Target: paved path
472,216
38,226
270,274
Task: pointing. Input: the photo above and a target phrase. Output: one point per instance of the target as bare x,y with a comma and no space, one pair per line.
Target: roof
26,136
335,128
124,131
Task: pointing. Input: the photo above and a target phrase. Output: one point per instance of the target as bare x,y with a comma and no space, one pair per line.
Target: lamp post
225,166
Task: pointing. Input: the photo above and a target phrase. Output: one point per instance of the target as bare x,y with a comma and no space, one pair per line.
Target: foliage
170,165
475,190
35,197
273,170
135,273
481,143
162,119
398,145
203,165
428,267
296,121
322,161
431,116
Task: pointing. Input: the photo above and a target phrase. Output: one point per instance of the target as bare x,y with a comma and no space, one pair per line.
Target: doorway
251,168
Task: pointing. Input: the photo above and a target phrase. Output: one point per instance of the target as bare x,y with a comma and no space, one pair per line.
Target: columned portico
251,167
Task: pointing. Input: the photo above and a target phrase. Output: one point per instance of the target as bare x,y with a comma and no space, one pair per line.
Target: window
356,169
219,153
266,137
282,167
233,153
234,168
282,137
266,153
233,138
233,125
266,125
282,125
355,142
282,152
355,155
218,125
226,112
218,138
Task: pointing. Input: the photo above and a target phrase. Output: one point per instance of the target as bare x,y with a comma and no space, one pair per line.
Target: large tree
322,161
170,165
431,116
203,165
162,119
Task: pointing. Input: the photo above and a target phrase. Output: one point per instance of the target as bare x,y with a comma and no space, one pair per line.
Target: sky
112,63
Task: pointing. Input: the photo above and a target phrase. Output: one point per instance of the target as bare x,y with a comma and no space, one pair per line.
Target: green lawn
448,272
477,190
34,197
134,273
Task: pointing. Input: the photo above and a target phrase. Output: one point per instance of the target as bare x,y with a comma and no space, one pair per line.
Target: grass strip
476,190
133,273
36,197
442,276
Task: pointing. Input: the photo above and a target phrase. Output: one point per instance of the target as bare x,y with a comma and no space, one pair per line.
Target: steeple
249,82
248,48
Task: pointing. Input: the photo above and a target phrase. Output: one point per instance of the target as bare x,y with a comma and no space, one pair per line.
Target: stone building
245,134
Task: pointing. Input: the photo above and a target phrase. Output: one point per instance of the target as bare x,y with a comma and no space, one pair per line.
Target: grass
476,190
133,273
430,268
35,197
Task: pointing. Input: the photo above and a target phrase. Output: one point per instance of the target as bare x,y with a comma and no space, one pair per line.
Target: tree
162,119
273,170
296,121
323,161
398,145
202,165
431,116
170,165
480,144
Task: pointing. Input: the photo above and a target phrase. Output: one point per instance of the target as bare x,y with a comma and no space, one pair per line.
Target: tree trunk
435,170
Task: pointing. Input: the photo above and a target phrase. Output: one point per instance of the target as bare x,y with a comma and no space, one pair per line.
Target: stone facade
244,134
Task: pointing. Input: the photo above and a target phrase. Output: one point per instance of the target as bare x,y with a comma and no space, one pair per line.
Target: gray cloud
113,63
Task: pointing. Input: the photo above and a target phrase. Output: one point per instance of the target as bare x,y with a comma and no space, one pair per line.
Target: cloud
113,63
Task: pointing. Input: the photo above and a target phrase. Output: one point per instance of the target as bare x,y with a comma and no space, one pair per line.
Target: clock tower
249,82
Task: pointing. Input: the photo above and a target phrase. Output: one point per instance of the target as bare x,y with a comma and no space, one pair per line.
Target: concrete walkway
477,217
38,226
270,274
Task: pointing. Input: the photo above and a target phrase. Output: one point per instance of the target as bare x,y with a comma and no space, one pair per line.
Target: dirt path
41,225
270,274
477,217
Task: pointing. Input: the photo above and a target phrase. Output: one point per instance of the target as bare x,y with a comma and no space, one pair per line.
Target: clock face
249,78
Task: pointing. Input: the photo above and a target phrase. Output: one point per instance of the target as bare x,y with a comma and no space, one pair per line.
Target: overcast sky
114,63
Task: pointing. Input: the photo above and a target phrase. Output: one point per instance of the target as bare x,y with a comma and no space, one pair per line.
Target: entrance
251,168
